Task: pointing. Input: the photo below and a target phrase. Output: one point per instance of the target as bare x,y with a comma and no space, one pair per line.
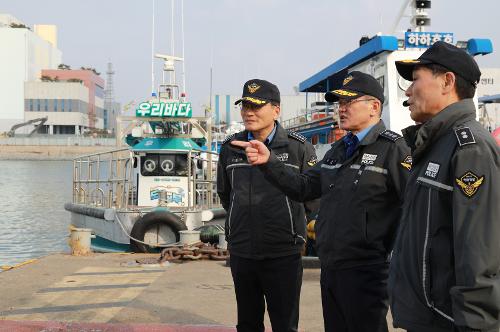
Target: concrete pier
111,292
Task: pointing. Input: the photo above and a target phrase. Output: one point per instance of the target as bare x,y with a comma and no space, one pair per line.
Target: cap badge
347,80
469,183
253,87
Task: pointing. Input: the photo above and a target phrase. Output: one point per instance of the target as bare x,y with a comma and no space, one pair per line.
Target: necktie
351,142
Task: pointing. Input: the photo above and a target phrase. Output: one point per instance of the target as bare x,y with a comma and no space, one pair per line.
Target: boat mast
419,17
184,89
172,43
153,52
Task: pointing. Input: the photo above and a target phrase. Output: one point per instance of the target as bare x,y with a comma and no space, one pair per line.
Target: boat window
164,165
167,164
181,165
149,165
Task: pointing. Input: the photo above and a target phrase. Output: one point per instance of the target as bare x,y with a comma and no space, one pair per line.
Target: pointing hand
257,153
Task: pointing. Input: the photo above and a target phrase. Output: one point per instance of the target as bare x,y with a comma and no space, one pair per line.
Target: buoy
222,241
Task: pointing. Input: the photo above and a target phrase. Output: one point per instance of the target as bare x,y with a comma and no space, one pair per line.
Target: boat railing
203,181
104,179
310,117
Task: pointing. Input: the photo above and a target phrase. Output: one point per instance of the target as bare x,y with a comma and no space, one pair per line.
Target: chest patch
282,157
368,159
432,170
236,160
469,183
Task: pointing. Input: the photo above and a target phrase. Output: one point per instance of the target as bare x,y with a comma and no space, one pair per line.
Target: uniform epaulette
297,136
464,136
228,138
390,135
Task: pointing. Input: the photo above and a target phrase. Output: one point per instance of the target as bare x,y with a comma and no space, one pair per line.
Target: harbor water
33,222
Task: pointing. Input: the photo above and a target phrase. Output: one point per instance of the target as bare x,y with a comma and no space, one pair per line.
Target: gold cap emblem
253,87
347,80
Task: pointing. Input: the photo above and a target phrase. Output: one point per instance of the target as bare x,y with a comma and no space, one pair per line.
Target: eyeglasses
345,103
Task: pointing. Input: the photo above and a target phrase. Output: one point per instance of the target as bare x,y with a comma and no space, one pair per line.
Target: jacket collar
373,134
280,138
420,137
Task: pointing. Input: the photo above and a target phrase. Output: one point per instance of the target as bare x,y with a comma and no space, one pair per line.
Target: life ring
156,226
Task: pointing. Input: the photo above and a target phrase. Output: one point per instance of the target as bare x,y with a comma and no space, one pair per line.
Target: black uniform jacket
445,267
262,222
361,197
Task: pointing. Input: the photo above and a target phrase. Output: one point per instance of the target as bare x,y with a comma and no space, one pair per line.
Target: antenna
172,43
153,52
169,67
184,89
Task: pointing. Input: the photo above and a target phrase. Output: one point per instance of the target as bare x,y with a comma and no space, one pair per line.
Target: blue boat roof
489,99
331,77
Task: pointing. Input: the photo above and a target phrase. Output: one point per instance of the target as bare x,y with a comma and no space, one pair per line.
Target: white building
68,115
23,54
489,85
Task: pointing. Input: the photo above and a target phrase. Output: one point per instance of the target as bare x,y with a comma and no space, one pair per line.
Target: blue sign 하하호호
160,109
426,39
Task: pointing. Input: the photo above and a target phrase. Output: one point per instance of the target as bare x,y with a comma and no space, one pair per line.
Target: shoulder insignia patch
297,136
464,136
469,183
407,162
390,135
228,138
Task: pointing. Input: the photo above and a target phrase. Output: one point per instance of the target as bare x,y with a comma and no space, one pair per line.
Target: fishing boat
161,185
376,56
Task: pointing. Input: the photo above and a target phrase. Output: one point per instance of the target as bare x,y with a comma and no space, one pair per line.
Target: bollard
189,237
79,241
222,241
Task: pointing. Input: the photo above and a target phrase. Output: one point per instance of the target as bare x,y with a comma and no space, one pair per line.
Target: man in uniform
360,180
445,267
265,229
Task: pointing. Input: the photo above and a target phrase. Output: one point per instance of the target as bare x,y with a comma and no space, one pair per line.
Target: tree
46,78
19,26
91,69
64,66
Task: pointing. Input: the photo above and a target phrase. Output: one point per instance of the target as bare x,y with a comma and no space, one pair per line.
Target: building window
69,105
55,105
31,105
46,105
38,105
62,105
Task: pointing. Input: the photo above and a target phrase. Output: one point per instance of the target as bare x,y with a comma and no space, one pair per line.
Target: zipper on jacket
232,204
424,261
292,227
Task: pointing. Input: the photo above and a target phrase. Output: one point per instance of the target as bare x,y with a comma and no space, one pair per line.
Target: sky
283,41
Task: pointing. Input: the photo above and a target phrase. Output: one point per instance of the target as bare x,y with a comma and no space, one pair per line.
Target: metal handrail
113,180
